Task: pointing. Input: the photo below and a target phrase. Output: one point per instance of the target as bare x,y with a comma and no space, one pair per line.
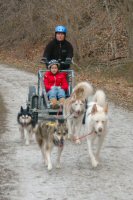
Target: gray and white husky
96,124
26,123
48,135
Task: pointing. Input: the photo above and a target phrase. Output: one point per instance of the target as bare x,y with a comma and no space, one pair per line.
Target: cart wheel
34,102
32,91
35,117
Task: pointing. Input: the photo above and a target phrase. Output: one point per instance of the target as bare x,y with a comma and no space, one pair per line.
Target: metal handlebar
61,62
65,62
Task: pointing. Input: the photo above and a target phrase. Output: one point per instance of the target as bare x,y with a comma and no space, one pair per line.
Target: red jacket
58,79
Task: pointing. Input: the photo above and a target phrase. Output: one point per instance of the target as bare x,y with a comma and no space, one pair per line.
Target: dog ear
94,109
28,108
106,108
21,109
73,97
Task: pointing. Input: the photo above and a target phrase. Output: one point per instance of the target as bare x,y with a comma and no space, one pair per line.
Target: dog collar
51,124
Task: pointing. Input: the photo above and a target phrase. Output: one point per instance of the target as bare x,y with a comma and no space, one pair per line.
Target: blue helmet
61,29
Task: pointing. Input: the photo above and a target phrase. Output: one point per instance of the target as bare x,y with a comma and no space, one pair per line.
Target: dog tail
100,98
86,87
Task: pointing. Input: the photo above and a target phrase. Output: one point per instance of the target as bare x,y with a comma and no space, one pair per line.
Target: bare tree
129,4
112,41
126,9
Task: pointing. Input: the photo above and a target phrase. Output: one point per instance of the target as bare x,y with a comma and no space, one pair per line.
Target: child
55,83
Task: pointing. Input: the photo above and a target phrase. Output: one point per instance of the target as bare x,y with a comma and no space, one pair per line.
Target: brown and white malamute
48,135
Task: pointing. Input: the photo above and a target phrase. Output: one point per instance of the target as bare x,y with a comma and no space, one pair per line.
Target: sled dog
48,135
74,108
26,123
96,124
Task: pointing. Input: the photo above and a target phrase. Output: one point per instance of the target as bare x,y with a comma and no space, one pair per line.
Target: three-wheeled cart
38,101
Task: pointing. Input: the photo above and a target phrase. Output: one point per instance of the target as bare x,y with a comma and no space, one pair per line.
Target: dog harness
51,124
86,106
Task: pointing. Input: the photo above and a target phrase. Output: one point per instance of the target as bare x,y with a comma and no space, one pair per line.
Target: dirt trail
22,172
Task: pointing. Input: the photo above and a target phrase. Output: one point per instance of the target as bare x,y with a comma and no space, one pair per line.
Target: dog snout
78,112
62,141
100,129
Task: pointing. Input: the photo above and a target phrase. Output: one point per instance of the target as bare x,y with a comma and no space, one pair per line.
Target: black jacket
59,51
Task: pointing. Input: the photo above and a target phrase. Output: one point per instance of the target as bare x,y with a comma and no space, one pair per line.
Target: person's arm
46,82
64,83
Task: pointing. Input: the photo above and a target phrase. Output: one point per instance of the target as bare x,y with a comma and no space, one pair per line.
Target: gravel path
22,172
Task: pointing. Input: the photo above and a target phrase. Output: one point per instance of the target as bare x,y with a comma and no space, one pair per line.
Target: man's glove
44,60
59,60
68,61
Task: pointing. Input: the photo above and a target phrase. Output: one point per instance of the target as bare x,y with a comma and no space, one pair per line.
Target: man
59,49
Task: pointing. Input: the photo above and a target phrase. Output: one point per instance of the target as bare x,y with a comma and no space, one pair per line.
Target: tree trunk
130,28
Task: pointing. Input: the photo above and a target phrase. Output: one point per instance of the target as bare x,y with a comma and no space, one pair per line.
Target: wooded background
98,29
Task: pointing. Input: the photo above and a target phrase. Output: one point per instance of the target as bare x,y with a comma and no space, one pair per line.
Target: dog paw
78,141
58,166
49,167
27,143
97,158
69,137
95,163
